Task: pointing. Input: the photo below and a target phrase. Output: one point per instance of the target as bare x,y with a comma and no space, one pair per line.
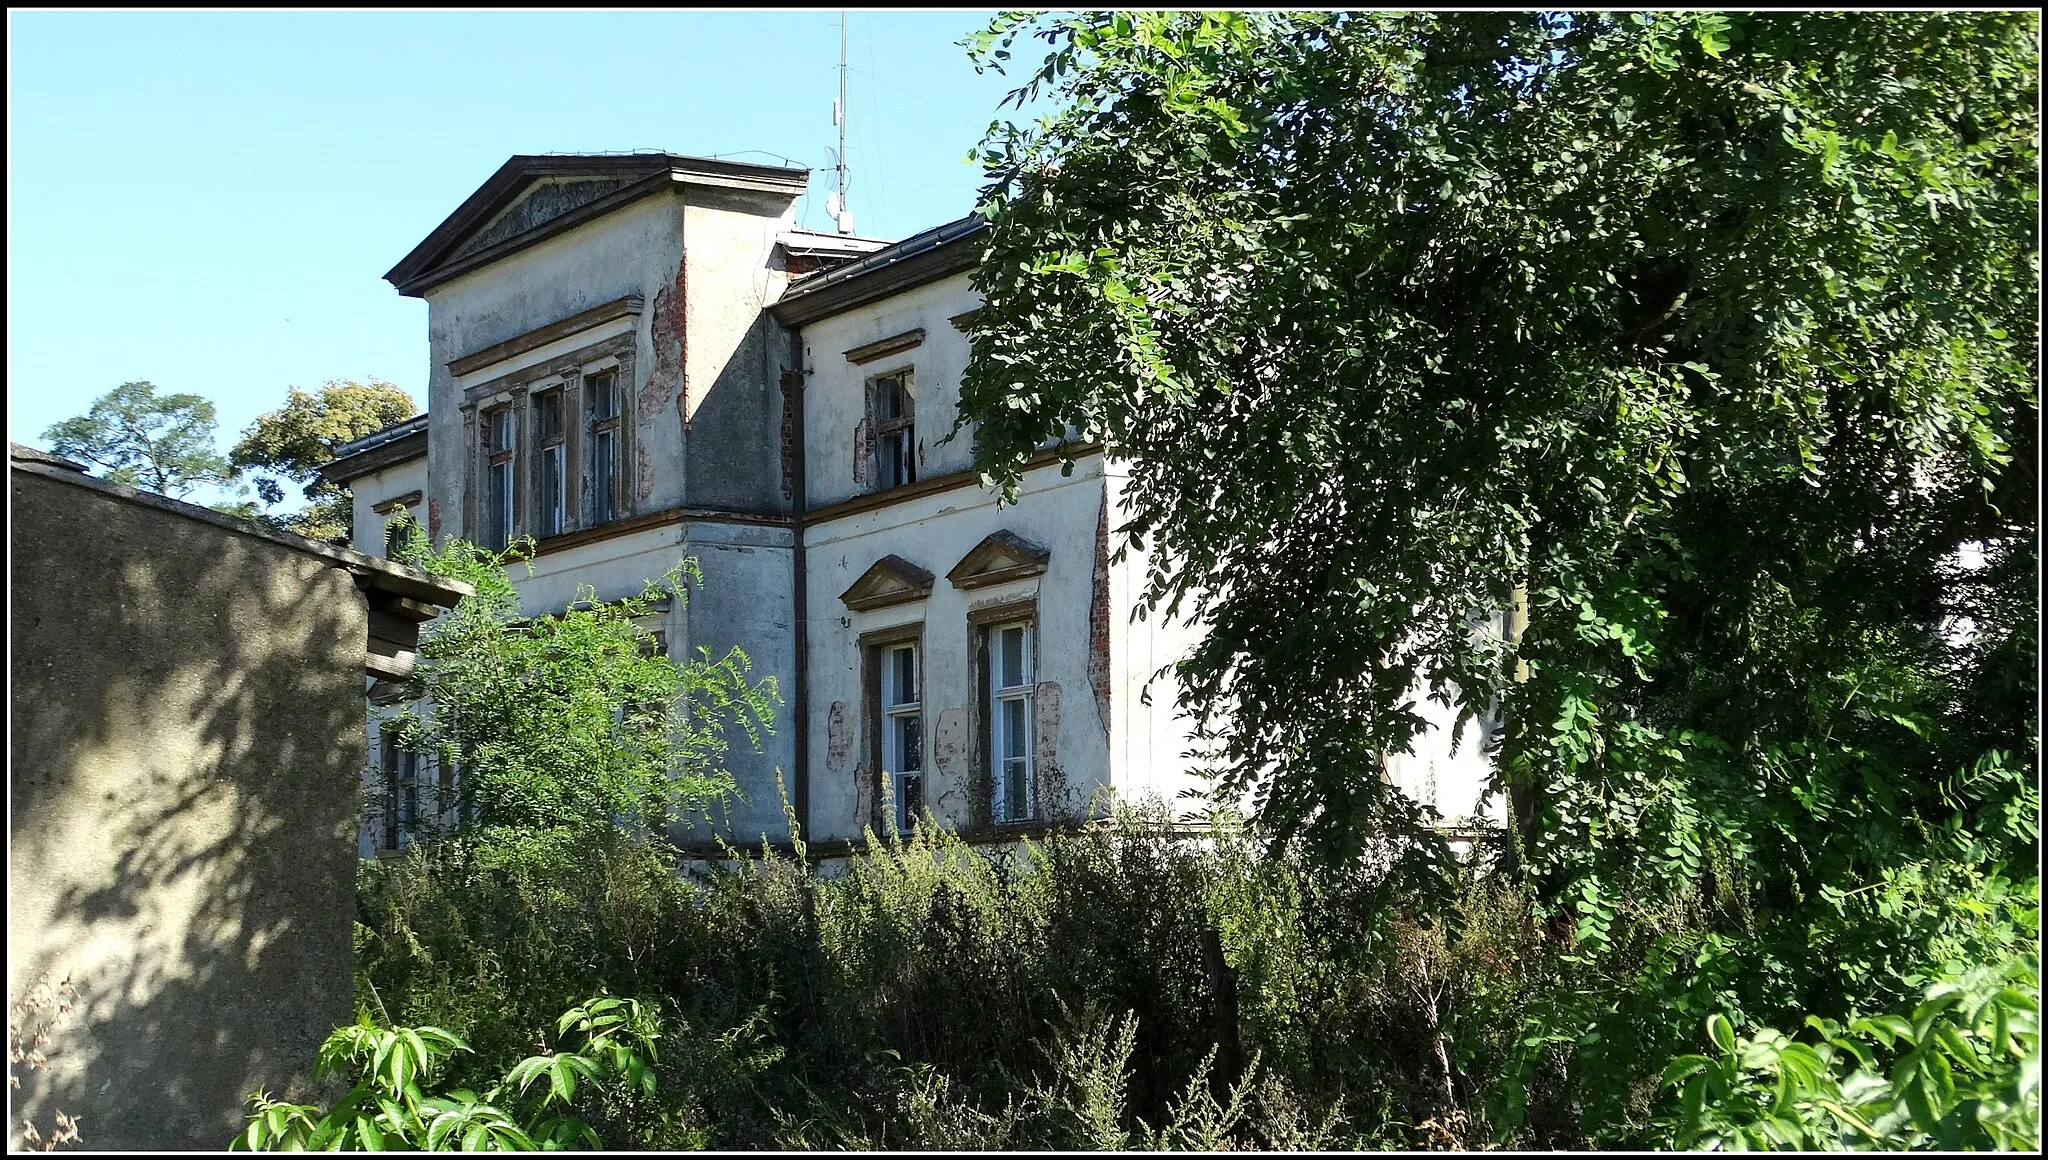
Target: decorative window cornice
892,580
1002,556
883,348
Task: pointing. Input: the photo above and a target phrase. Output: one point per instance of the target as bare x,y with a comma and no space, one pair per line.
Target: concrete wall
734,351
1151,736
186,743
744,601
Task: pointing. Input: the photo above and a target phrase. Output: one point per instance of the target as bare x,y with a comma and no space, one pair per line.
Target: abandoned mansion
639,357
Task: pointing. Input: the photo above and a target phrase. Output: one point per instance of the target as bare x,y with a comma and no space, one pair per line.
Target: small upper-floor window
550,465
500,500
1010,714
606,411
902,732
895,427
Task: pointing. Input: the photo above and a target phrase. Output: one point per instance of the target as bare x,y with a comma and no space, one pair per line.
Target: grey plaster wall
734,351
187,735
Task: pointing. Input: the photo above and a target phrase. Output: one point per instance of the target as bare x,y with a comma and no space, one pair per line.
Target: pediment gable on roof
892,580
1002,556
539,203
533,197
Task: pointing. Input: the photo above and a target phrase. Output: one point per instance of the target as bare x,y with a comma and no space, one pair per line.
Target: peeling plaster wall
836,393
707,367
934,532
637,249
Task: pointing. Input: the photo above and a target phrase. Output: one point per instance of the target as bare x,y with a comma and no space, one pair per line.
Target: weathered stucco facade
787,398
186,738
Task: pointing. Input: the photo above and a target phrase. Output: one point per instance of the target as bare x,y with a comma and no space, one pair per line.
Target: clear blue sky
208,201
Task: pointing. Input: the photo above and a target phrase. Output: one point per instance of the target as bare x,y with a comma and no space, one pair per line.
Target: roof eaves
910,262
377,450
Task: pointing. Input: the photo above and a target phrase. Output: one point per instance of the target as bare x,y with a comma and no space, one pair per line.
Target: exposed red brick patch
792,380
838,736
669,377
1045,723
434,520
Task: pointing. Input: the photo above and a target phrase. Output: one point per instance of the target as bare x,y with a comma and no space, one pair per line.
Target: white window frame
1003,731
902,719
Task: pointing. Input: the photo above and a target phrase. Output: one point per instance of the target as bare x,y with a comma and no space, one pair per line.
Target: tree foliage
163,443
563,723
1965,1073
297,439
1704,342
392,1105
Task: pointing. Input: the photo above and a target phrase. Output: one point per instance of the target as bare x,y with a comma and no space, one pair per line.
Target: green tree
297,439
1704,343
163,443
558,725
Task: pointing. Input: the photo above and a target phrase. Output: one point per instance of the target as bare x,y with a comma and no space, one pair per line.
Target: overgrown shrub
1138,985
931,994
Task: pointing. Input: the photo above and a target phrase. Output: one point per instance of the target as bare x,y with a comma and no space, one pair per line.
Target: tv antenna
835,202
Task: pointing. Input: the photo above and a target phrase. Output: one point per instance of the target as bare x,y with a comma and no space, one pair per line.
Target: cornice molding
1000,557
883,348
383,455
935,485
541,336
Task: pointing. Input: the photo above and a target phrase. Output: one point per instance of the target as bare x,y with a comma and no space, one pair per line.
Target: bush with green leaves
926,993
399,1100
1063,993
1964,1073
571,722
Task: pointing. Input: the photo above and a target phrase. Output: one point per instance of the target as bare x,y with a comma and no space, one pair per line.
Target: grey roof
882,259
376,439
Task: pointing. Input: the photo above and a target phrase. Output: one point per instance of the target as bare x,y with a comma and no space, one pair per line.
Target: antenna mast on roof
835,205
